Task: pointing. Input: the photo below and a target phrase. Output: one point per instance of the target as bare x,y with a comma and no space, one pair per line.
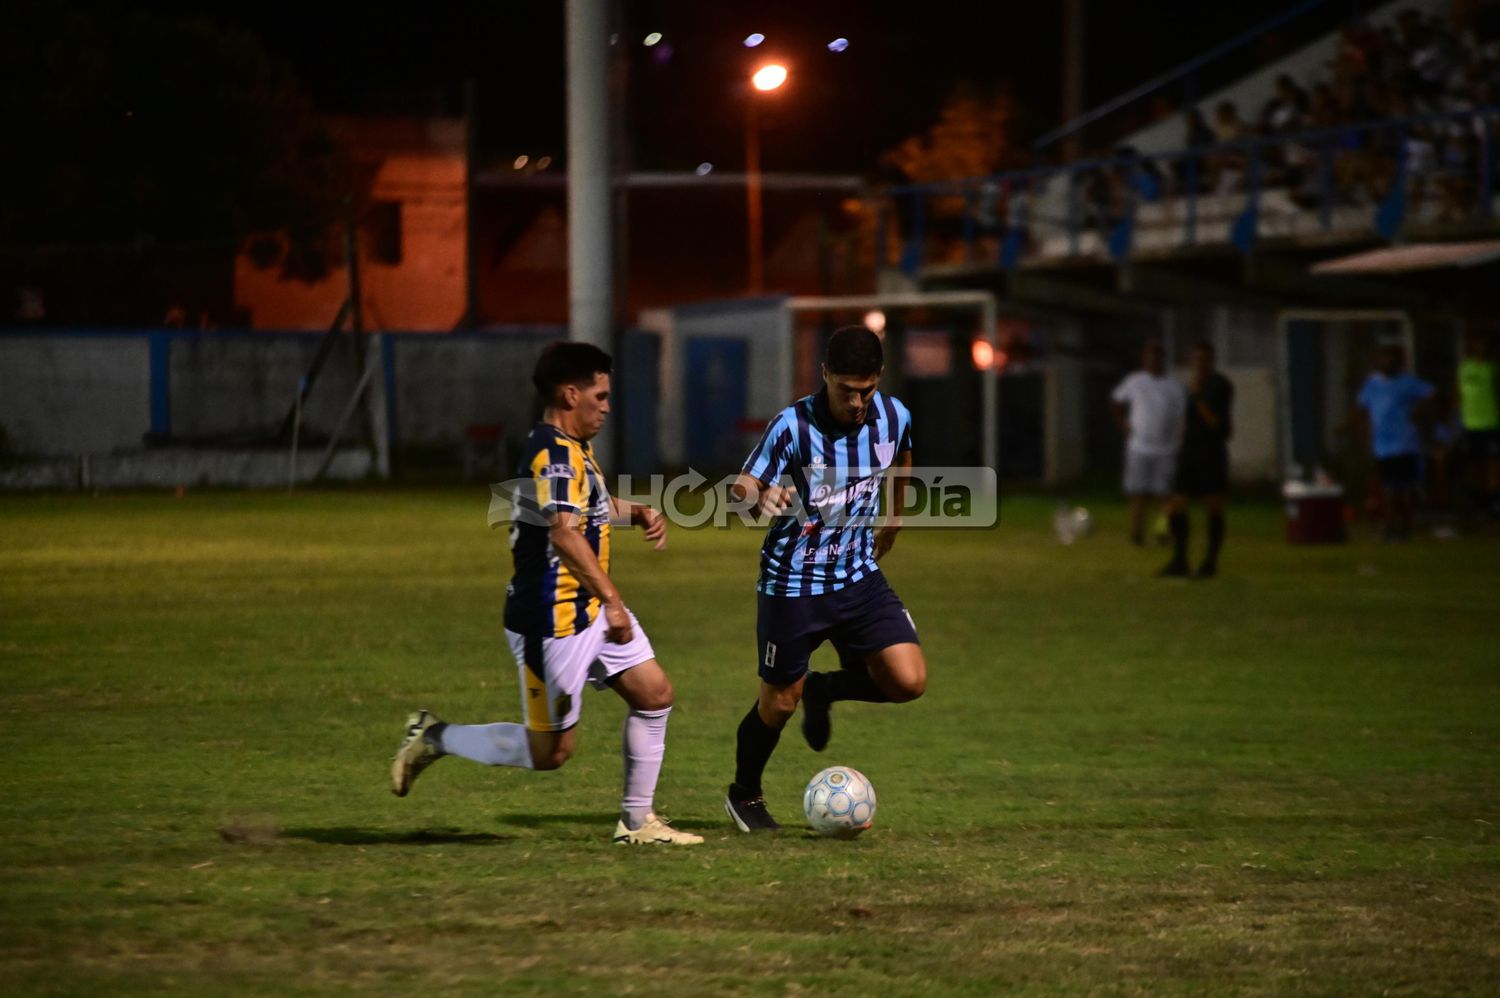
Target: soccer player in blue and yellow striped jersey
564,619
545,596
832,454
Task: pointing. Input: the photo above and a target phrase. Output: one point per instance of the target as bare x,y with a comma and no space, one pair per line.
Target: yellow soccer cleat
418,751
654,831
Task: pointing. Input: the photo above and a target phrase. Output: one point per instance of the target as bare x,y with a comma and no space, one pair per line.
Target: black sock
1179,524
846,684
754,744
1215,537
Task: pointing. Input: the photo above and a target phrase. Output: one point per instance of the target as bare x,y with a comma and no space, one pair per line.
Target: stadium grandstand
1227,219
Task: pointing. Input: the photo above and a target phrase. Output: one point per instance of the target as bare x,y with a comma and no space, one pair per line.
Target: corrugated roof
1419,256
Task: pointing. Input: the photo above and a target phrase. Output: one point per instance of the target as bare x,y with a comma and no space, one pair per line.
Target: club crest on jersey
817,463
884,453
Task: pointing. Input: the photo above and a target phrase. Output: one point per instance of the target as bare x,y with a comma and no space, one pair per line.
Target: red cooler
1314,513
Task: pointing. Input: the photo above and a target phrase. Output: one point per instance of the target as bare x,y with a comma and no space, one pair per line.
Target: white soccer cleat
654,832
416,753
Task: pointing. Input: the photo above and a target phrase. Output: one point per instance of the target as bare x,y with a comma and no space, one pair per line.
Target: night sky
838,114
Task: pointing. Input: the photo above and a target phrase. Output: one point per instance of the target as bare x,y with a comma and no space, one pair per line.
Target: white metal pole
990,401
589,292
291,470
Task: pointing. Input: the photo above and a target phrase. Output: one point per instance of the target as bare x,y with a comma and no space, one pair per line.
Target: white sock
491,744
644,743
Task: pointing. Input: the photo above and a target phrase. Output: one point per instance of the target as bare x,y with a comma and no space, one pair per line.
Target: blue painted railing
957,215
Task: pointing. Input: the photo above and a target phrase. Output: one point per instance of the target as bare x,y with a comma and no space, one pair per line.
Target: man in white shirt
1150,408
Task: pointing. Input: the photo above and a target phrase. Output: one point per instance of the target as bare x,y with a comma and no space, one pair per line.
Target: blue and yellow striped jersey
544,598
837,474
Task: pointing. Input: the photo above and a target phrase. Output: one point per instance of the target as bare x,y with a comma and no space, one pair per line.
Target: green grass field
1284,781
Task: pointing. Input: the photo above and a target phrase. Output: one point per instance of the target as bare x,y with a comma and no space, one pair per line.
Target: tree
136,137
973,136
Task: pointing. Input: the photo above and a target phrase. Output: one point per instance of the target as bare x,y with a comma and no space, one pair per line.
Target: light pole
766,79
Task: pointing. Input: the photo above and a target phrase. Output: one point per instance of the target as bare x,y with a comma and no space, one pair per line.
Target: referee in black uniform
1203,462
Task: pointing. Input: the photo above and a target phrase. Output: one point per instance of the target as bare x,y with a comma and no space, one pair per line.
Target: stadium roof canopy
1417,256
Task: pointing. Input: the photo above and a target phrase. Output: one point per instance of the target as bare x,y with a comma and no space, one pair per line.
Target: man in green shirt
1479,408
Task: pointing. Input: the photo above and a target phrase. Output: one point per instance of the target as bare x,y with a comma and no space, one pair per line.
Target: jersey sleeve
772,455
1421,390
903,428
1123,391
557,474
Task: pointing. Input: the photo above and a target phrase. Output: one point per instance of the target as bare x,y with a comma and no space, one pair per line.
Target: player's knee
908,689
907,684
659,697
778,708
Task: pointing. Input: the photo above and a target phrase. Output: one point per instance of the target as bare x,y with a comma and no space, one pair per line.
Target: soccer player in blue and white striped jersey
819,471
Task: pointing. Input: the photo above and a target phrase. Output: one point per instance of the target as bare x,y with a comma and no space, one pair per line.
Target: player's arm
767,499
757,486
885,534
641,515
569,544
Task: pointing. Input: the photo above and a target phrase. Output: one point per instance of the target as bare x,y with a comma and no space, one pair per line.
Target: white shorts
1149,474
553,670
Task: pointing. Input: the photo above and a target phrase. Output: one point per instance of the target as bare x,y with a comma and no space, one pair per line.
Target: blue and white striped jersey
826,539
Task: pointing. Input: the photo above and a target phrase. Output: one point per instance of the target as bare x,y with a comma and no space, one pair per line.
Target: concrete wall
74,394
445,384
69,395
1063,426
237,384
1253,449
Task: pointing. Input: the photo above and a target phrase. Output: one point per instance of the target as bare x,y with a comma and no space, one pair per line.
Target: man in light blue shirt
1389,397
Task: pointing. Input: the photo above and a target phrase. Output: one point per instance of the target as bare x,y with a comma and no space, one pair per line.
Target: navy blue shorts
858,619
1400,472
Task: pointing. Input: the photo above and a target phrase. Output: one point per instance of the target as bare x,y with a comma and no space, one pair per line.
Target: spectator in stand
1142,178
1389,398
1456,174
1097,197
1229,166
1421,165
1286,111
1199,136
1434,58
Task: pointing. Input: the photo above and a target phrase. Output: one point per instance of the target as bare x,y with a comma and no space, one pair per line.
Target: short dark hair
568,363
1206,347
855,351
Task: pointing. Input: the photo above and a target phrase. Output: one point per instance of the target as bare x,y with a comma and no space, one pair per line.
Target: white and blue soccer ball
839,802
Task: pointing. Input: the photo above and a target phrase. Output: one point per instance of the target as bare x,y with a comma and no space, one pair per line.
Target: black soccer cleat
1207,570
1176,568
749,811
817,724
